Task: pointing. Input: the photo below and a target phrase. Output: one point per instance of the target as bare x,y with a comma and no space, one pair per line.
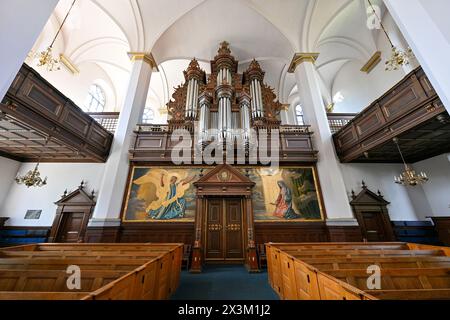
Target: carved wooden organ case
225,104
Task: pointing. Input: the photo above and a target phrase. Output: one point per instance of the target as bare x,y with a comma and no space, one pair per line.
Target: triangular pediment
368,197
77,197
225,174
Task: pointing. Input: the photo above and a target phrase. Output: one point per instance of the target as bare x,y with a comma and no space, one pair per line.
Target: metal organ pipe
257,104
260,105
204,121
195,99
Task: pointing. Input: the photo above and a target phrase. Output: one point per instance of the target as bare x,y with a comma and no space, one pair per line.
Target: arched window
299,115
148,116
96,100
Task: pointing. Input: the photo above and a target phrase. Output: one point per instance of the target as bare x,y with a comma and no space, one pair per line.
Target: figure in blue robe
175,209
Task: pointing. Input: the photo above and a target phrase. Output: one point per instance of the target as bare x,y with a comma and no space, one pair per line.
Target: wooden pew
116,272
339,271
53,280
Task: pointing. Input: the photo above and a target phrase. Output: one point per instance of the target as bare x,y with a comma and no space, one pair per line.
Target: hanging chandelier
409,177
399,58
32,178
45,58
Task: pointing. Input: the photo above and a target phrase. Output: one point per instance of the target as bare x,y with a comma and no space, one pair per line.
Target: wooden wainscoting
344,234
291,232
157,232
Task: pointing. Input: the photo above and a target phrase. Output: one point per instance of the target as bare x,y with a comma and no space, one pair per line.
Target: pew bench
116,272
339,271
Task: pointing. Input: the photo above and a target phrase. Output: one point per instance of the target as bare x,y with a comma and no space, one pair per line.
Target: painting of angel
161,194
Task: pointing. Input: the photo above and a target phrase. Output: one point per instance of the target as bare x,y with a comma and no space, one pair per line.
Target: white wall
361,89
17,37
8,171
437,190
381,177
439,9
61,176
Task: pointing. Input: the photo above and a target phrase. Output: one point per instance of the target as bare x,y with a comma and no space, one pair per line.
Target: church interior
211,149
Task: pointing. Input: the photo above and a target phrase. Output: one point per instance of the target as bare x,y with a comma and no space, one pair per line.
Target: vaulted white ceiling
99,33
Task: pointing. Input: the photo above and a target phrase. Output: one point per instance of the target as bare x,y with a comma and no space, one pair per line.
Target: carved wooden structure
373,216
2,222
442,227
230,108
224,226
33,111
72,216
411,111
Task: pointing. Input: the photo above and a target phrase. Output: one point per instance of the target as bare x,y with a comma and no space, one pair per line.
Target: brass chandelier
45,58
399,58
32,178
409,177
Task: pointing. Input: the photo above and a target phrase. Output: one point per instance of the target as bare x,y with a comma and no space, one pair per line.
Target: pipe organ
226,104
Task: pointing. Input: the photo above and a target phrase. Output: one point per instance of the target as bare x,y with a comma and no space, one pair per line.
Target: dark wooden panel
421,232
215,228
344,234
36,104
2,222
442,226
233,235
153,143
102,235
157,232
402,111
291,232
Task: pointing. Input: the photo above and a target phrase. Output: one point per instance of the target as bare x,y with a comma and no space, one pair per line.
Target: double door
224,230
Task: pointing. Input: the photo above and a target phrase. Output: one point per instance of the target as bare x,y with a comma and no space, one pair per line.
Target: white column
21,22
109,203
330,175
286,115
424,29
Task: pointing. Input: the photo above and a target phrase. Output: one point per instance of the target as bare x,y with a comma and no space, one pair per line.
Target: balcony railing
109,121
339,120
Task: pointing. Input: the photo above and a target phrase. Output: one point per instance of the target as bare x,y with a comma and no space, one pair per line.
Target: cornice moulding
299,58
146,57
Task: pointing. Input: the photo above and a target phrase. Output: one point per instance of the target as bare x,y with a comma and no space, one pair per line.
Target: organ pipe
257,104
192,99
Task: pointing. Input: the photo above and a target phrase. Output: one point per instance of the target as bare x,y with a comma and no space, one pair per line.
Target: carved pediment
367,197
225,175
77,197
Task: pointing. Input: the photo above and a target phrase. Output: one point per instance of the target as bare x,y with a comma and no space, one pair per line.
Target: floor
224,283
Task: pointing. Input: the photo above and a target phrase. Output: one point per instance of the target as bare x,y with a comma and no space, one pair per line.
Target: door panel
71,227
233,234
214,228
224,238
373,226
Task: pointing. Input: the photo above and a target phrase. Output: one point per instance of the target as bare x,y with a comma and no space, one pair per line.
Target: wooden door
71,227
373,226
214,230
224,239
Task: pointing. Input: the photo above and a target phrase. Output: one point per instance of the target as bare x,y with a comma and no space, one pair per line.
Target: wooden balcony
37,122
153,143
411,111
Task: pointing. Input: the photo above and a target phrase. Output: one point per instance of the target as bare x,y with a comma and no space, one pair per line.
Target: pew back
108,272
339,271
